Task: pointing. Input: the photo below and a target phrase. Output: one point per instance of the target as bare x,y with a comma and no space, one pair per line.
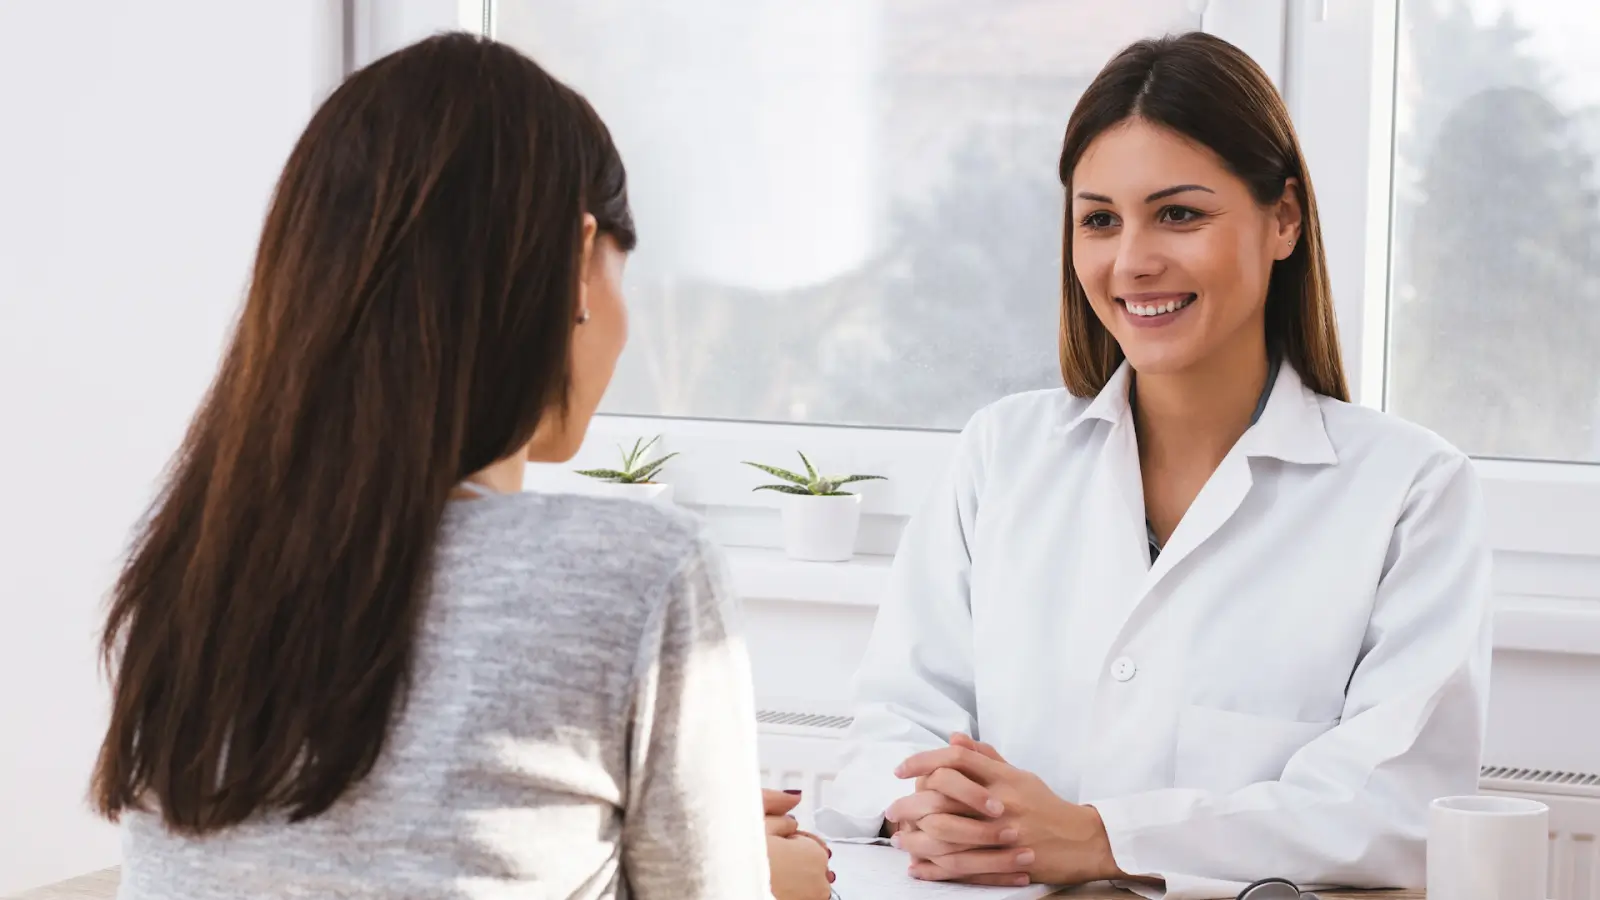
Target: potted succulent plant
820,521
635,479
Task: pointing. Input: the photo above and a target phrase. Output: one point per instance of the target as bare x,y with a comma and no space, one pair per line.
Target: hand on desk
798,860
977,819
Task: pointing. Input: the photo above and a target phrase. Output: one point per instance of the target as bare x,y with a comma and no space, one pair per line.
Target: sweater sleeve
693,819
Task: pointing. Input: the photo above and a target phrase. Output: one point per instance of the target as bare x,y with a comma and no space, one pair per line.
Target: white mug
1488,848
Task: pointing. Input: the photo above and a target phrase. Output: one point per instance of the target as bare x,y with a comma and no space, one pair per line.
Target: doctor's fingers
923,846
912,808
961,740
962,789
942,835
989,880
970,762
966,832
977,867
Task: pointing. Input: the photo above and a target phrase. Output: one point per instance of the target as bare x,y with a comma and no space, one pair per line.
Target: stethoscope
1275,889
1265,889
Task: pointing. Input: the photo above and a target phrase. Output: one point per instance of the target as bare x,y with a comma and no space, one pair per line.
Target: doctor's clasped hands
977,819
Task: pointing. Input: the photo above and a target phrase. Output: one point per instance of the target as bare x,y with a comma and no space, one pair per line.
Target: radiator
1574,801
802,751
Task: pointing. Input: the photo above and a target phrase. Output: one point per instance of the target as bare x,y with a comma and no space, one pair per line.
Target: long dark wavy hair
408,323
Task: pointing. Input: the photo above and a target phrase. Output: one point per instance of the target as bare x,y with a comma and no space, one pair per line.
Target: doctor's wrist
1101,860
1105,858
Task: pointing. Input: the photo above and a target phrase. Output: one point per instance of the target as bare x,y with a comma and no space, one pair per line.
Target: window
850,216
1494,303
1453,162
848,209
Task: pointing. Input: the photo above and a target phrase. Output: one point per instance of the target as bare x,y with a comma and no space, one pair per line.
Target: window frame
1335,63
1340,81
708,476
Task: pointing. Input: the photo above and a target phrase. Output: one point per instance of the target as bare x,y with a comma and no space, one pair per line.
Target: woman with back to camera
350,658
1211,623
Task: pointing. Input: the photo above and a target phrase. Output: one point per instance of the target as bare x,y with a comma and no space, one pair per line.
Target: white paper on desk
879,873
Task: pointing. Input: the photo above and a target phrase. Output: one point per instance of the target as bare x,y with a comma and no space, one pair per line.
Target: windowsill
762,574
1531,624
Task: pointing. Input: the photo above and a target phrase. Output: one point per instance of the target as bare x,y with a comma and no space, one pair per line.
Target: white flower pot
648,493
821,529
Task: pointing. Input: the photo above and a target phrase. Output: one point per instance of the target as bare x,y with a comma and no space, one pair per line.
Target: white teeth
1159,309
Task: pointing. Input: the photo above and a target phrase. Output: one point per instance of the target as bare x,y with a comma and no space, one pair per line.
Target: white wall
139,147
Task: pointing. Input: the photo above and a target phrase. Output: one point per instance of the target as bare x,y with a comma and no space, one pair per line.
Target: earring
583,316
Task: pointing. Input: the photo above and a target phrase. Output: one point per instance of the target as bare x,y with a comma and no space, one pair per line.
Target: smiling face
1172,250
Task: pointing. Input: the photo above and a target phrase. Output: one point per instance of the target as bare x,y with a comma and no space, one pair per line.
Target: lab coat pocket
1222,750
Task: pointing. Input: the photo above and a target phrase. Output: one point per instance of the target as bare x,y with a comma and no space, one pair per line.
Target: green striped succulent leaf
811,471
811,483
784,489
605,474
785,474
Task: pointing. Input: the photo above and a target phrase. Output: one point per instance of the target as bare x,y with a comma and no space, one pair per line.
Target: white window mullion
476,15
1339,84
379,27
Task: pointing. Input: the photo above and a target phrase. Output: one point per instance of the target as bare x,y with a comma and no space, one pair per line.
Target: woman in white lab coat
1212,622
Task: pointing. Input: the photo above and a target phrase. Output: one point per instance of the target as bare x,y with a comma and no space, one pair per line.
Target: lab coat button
1123,669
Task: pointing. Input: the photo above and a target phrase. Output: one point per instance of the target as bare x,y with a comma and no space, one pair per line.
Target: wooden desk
103,886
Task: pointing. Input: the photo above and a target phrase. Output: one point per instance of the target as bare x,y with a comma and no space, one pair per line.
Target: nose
1138,254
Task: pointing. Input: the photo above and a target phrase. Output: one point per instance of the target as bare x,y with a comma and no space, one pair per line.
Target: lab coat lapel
1127,553
1290,429
1216,503
1115,504
1112,540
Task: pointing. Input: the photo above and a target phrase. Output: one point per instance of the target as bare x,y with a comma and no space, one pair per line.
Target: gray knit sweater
580,725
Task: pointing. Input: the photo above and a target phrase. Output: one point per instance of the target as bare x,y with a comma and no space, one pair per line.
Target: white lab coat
1281,694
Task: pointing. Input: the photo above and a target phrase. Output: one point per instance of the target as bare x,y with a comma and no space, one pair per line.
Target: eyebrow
1158,195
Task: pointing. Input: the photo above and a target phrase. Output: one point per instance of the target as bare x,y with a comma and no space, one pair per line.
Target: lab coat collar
1111,404
1290,428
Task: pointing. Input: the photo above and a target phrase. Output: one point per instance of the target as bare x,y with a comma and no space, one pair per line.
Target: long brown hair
408,323
1211,92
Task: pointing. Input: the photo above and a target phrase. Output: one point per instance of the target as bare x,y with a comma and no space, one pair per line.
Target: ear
591,229
1290,218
